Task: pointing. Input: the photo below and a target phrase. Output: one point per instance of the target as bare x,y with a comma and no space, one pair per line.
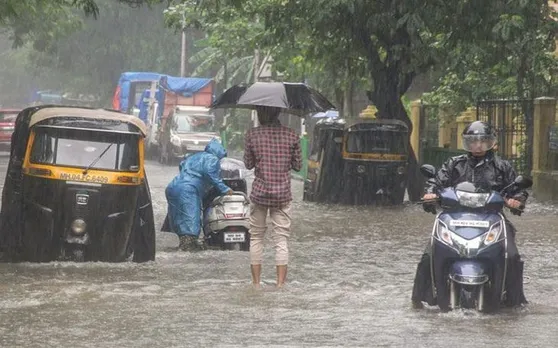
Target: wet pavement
350,279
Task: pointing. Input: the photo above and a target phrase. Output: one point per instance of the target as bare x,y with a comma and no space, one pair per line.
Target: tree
89,55
236,29
27,18
398,39
517,62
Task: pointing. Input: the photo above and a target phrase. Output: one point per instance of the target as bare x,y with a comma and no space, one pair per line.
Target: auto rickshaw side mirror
428,170
523,182
338,140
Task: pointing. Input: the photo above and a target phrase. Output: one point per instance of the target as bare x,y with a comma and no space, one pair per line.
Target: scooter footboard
468,272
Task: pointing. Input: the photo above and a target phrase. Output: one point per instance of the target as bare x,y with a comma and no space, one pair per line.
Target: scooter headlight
444,234
493,234
472,200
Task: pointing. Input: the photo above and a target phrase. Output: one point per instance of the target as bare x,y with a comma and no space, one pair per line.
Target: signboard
553,138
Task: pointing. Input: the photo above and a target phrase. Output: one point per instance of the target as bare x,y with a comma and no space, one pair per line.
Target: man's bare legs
281,275
281,221
258,225
256,275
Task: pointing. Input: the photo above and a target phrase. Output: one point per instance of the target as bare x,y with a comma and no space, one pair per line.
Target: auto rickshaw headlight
78,227
401,170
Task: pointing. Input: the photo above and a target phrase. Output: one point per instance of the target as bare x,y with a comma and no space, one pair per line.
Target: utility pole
183,48
256,76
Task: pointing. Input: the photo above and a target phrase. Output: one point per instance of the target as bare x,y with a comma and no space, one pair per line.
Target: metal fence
513,121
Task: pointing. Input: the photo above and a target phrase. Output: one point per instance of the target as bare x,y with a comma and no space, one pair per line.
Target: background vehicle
129,90
76,188
187,130
375,155
7,125
469,245
324,181
226,218
171,93
362,162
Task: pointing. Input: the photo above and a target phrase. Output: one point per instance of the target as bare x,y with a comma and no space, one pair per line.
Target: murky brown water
349,285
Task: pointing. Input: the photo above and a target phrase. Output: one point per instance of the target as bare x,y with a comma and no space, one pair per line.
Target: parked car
187,130
7,125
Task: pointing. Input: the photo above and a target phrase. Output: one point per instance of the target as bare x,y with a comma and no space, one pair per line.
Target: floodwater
350,280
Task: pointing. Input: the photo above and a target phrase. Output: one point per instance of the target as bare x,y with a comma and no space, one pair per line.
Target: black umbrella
293,98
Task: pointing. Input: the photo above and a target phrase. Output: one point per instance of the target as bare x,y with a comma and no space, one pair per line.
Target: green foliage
516,62
87,55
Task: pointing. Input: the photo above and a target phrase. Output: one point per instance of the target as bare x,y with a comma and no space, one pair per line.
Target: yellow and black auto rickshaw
361,162
76,188
375,155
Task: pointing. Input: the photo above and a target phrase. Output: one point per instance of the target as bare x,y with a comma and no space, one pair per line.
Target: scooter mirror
428,170
523,182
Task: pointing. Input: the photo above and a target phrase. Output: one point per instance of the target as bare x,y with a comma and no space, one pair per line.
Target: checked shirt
273,150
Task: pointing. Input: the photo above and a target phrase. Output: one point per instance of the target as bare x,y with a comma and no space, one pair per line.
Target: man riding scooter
185,192
484,168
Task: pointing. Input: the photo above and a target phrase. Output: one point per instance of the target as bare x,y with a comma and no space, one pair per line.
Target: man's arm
510,175
249,157
213,171
296,155
442,178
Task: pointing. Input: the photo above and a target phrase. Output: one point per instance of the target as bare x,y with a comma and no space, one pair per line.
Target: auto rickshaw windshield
376,141
80,148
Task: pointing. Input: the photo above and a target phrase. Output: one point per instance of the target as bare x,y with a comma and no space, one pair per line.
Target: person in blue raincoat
184,193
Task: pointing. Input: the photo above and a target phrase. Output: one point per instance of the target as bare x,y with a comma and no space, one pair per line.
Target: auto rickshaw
325,162
76,188
375,155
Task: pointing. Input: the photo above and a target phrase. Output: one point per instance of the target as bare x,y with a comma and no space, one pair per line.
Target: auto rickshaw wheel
143,230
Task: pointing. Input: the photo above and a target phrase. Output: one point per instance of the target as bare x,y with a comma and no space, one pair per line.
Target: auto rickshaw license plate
234,237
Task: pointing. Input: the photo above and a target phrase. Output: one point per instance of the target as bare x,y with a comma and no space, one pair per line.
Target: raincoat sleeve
510,175
249,157
296,155
442,178
213,172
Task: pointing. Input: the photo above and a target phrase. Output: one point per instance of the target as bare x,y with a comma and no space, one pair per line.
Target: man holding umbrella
273,150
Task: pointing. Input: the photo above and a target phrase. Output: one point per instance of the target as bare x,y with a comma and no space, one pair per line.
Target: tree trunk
387,98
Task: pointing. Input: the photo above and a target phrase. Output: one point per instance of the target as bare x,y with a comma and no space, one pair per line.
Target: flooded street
349,284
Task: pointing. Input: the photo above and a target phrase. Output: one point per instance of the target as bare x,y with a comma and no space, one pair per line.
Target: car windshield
79,148
192,123
369,141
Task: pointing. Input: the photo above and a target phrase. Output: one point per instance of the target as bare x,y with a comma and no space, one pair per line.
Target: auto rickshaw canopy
53,112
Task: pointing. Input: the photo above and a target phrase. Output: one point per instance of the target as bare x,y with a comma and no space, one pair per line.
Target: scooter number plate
234,237
469,223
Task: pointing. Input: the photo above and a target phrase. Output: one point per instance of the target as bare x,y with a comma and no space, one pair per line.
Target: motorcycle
226,218
469,258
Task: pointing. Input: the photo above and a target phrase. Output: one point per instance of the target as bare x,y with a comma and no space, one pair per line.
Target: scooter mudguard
468,272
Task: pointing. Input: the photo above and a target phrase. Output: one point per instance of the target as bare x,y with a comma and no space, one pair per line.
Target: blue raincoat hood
215,148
